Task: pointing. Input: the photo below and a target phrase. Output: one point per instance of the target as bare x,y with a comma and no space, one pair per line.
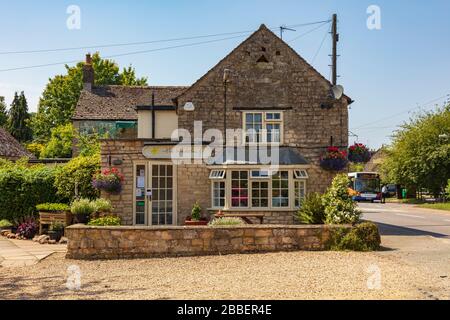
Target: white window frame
213,198
300,174
217,174
269,188
264,124
298,197
248,189
260,177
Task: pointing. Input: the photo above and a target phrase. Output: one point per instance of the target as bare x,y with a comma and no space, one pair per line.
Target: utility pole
335,39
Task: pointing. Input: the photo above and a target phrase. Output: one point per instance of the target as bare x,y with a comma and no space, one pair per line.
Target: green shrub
312,210
226,221
23,187
105,221
60,144
196,212
52,207
339,206
75,178
5,224
362,237
82,207
102,205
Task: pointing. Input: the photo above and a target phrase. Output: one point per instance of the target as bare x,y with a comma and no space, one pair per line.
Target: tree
3,112
61,94
60,144
18,119
420,155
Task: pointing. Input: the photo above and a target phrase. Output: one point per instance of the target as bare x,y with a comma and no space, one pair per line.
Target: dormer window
263,127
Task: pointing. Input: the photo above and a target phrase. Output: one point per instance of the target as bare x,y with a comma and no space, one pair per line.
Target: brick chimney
88,74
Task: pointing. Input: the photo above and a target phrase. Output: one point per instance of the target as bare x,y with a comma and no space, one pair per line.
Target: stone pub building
268,92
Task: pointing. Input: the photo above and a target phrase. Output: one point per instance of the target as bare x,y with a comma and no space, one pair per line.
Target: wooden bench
244,216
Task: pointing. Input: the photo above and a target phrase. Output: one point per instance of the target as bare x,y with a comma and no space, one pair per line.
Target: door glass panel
162,184
140,201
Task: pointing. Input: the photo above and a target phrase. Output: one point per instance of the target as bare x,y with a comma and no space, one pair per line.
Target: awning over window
255,156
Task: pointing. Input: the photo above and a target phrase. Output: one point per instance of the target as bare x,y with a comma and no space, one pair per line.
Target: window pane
239,189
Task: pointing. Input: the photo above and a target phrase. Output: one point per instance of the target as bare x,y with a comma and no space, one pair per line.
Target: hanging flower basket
334,159
358,153
109,180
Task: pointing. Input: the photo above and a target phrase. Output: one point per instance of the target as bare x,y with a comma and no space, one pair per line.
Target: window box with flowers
109,180
358,153
334,159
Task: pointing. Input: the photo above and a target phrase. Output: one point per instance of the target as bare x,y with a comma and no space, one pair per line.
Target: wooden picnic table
244,216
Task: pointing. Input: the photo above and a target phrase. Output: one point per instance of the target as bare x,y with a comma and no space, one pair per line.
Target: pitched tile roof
10,148
120,102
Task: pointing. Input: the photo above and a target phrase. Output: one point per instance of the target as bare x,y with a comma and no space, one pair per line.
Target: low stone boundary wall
86,242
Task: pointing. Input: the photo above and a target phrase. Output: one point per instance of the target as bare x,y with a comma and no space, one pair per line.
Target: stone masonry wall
141,242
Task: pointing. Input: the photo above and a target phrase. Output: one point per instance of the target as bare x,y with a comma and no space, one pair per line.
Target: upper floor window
263,127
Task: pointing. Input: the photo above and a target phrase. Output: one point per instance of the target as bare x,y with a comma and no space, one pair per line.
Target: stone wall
141,242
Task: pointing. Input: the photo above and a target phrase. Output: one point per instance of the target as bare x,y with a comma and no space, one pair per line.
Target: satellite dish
189,106
337,91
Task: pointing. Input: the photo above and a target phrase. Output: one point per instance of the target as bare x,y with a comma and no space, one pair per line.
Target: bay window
258,189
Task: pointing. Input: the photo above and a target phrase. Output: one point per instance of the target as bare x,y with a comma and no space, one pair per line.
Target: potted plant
56,231
196,217
28,228
81,210
334,159
50,212
103,207
359,153
109,180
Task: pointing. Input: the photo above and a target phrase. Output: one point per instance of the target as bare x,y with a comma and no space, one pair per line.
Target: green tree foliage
88,144
339,206
61,94
74,180
60,144
18,119
3,112
419,156
23,187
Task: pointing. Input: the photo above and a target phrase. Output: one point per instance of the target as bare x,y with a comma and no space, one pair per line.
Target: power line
156,49
320,47
147,42
310,31
403,112
121,55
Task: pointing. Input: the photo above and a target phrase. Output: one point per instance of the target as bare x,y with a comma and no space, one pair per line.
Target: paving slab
20,253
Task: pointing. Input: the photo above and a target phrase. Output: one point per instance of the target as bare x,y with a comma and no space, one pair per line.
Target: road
407,220
417,237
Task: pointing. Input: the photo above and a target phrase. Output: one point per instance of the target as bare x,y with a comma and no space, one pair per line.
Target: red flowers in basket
109,180
334,159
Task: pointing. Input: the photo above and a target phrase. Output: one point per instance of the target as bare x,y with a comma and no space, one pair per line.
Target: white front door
162,199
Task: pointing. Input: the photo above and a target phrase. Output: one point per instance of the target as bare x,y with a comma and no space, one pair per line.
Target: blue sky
387,72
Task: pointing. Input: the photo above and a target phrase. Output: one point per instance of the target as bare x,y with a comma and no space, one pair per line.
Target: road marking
409,215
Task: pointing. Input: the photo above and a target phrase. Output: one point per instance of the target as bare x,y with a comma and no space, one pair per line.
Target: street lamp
226,80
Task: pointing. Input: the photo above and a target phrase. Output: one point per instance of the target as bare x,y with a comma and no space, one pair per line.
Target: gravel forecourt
287,275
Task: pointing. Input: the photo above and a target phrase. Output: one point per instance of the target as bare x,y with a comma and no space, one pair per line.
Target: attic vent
262,59
263,49
278,53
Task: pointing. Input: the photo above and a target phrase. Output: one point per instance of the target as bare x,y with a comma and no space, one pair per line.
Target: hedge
22,188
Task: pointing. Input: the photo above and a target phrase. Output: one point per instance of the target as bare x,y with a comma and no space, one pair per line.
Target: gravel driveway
293,275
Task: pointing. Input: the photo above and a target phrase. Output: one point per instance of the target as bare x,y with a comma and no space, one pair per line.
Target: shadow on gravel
45,288
391,230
